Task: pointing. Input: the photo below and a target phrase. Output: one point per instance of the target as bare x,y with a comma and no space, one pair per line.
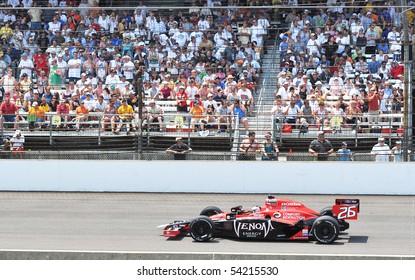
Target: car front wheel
201,229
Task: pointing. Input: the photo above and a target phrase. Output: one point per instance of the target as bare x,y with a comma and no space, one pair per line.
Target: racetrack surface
126,222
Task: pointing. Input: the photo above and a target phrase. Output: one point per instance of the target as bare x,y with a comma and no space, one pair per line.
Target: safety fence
197,156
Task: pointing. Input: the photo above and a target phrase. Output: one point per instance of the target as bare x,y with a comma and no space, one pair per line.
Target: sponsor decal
292,216
277,215
305,232
291,204
299,238
252,229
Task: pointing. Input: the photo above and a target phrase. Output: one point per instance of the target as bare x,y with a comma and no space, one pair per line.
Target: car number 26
345,212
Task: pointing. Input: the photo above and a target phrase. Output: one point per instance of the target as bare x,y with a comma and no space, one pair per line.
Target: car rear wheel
210,211
328,211
201,229
325,229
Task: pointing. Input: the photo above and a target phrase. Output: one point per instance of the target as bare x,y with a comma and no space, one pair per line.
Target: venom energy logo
252,229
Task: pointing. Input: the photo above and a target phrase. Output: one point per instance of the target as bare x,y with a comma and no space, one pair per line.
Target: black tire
201,229
210,211
325,229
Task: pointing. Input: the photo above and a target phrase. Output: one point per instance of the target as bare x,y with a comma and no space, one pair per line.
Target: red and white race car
277,219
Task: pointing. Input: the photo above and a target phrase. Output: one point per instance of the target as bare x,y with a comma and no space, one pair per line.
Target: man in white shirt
257,33
181,37
112,79
74,67
128,68
313,45
26,65
381,150
89,102
104,21
246,97
284,92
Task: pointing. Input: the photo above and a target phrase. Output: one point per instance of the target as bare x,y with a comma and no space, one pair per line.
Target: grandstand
393,122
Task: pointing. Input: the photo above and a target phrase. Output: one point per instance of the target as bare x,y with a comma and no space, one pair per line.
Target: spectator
82,115
223,116
320,148
17,144
74,67
9,112
344,153
62,110
126,115
247,98
179,150
373,99
292,113
381,150
397,152
249,148
155,114
55,77
38,116
238,112
181,99
26,65
269,148
197,113
110,115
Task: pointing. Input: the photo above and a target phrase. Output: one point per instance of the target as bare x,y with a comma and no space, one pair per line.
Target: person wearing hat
112,79
197,112
155,114
381,150
374,99
125,116
82,115
26,65
179,149
283,91
344,153
313,45
320,148
230,81
181,99
17,143
38,115
269,148
9,111
397,152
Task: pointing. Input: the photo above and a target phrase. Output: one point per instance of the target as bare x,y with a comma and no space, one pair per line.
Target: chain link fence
158,156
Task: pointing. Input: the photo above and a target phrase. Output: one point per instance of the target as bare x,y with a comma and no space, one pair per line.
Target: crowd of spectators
75,54
341,65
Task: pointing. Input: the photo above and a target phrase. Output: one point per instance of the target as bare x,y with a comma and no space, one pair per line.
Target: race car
277,219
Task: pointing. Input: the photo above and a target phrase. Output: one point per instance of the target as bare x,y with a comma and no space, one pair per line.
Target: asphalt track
126,223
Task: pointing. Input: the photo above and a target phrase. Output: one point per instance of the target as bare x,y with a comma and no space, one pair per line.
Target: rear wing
346,208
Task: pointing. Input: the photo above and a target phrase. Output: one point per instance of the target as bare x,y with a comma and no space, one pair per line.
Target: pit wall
208,177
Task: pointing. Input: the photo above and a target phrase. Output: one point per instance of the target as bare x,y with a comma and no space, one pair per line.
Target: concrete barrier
208,177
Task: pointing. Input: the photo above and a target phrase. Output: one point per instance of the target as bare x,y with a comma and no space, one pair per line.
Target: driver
256,208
